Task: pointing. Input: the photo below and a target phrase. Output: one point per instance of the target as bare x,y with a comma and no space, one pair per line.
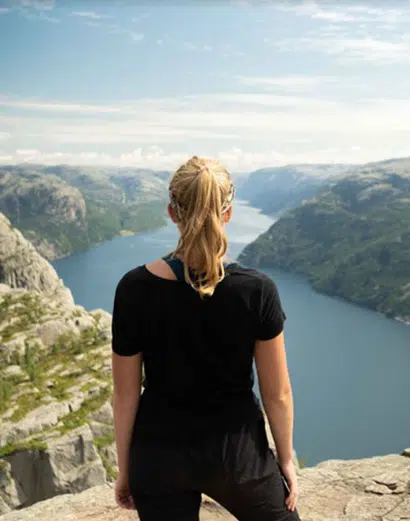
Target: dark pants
236,468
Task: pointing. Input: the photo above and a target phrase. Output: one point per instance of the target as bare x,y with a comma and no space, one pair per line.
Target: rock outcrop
55,383
375,489
56,432
21,266
70,463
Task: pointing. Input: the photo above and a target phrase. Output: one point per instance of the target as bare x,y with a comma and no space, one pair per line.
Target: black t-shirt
198,353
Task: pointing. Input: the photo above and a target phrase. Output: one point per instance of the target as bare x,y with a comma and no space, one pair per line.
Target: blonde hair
201,191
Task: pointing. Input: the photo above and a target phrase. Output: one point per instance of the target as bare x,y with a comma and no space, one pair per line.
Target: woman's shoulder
252,274
132,277
249,277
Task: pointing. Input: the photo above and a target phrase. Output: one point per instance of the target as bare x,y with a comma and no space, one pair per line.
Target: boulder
70,464
51,331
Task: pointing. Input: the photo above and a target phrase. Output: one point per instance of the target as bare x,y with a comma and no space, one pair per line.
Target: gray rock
104,414
50,331
84,322
103,318
100,430
17,344
21,266
43,417
110,452
14,370
70,464
11,496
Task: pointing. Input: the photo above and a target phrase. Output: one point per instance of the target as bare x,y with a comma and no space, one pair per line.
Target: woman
198,323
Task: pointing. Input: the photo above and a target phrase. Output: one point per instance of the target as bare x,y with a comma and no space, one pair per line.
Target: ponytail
201,191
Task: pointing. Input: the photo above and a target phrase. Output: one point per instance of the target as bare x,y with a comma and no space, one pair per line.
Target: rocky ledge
375,489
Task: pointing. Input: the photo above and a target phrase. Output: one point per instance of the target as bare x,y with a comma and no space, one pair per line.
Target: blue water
350,367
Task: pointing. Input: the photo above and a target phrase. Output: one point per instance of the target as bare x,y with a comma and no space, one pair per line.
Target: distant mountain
62,209
275,190
352,240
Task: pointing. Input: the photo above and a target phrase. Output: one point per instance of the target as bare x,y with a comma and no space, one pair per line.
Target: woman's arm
276,393
127,391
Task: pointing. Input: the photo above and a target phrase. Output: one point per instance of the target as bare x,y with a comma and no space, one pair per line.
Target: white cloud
241,3
4,136
93,19
87,14
277,128
55,106
137,37
236,159
290,83
92,23
191,46
26,152
36,14
344,13
140,17
4,10
378,52
40,5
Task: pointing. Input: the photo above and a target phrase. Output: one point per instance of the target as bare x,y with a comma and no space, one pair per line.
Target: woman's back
198,353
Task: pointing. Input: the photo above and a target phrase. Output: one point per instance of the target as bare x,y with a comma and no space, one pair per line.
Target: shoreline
120,233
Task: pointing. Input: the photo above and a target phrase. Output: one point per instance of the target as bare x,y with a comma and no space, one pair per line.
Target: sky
252,83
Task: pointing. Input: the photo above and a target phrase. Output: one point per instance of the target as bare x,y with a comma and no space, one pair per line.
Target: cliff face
45,207
21,266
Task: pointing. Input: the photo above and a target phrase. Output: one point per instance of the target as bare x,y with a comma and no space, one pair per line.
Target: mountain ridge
63,209
351,240
277,189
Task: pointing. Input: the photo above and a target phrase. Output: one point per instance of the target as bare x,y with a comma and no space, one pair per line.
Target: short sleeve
271,317
125,341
